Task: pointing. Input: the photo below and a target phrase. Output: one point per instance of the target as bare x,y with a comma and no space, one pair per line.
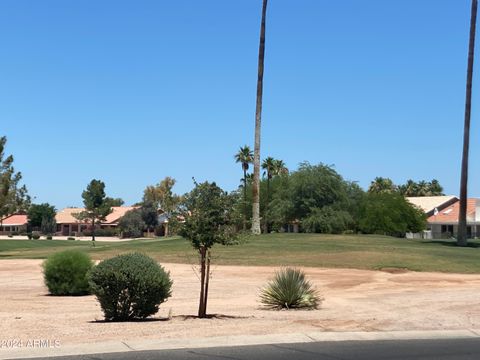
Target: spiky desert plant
289,289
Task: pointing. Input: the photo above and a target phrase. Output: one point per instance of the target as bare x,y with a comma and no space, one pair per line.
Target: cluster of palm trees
410,188
271,167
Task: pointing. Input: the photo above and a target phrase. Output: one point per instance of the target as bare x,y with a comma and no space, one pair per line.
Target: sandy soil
355,300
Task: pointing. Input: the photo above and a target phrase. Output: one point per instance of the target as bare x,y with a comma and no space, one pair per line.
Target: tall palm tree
435,188
280,168
258,120
269,165
423,188
462,217
244,156
382,185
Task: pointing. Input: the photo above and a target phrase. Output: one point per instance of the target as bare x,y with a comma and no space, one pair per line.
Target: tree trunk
207,281
244,199
462,217
258,120
93,232
201,307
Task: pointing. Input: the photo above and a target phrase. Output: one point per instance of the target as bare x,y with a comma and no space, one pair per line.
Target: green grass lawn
318,250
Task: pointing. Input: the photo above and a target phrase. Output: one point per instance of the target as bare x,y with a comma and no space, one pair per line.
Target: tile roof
450,213
15,220
429,203
65,216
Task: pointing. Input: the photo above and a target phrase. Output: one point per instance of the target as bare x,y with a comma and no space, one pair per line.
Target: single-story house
444,223
14,224
69,225
429,203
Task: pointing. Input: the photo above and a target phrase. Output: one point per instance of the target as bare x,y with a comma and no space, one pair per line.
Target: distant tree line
409,189
316,199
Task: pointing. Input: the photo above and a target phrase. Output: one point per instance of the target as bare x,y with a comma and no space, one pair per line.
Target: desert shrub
130,286
65,273
35,235
29,236
49,237
289,289
70,238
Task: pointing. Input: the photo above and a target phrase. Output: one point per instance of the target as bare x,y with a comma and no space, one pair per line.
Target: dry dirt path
355,300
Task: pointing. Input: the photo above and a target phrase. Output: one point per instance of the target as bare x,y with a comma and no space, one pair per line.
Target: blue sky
132,91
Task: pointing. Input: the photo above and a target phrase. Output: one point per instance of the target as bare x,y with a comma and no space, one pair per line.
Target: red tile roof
15,220
450,213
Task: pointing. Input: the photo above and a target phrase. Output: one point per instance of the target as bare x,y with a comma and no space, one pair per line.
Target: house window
447,228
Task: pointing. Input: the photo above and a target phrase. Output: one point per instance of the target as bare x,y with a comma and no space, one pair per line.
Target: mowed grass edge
312,250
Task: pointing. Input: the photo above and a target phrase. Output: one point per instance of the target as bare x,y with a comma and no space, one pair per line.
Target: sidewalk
42,349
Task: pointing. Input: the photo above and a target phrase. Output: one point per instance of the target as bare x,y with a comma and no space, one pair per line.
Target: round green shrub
289,289
35,235
130,286
66,273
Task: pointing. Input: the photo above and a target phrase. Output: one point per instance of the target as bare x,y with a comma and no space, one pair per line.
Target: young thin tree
208,212
244,157
462,217
258,122
97,205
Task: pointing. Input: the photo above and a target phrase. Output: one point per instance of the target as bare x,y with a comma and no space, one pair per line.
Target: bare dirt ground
355,300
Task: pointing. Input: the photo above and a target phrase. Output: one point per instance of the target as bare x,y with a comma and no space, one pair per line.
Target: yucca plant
289,289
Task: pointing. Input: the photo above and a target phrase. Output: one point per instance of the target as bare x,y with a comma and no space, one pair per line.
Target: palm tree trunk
258,120
244,199
462,217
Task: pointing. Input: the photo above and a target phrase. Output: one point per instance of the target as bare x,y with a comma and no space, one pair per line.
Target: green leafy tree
131,224
149,215
162,195
244,156
13,197
208,212
390,214
97,205
271,167
42,216
116,201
